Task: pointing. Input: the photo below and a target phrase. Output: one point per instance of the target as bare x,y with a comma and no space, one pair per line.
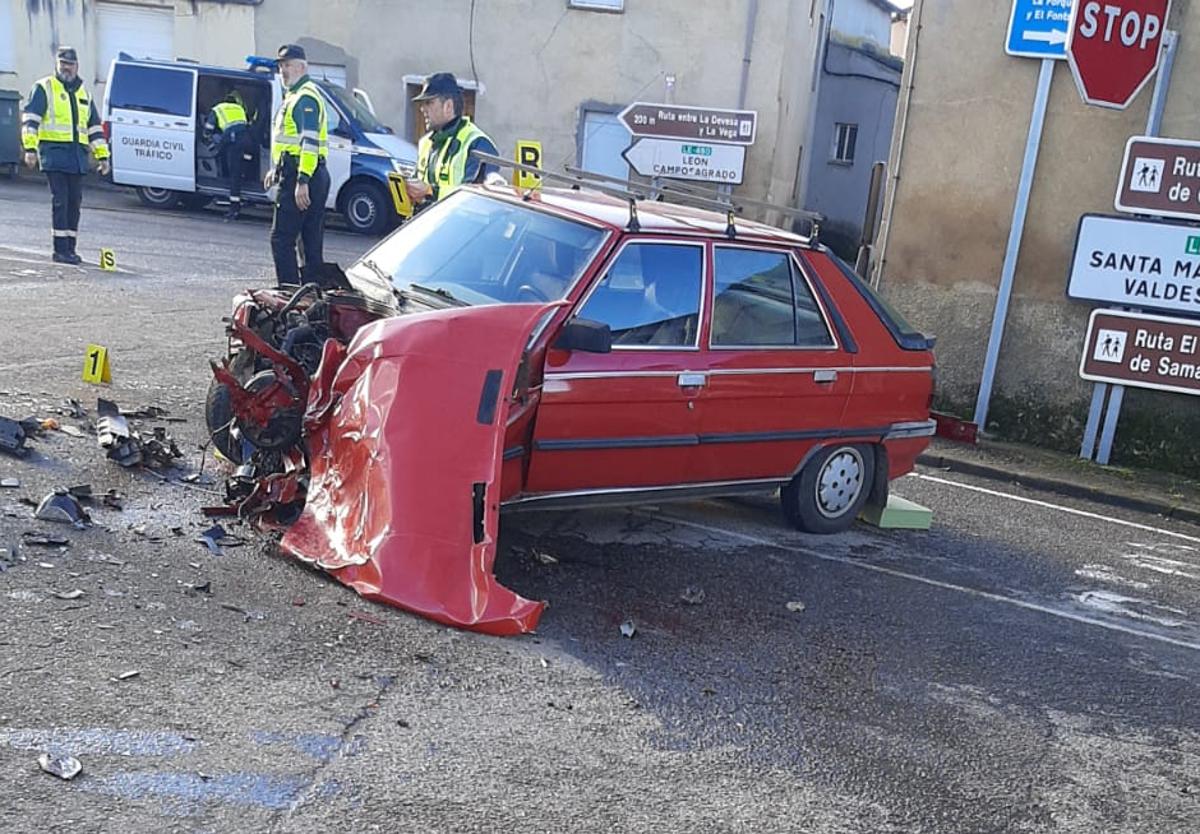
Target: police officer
59,125
298,152
228,120
444,160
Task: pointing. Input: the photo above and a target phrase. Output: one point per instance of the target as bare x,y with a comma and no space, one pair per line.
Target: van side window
151,90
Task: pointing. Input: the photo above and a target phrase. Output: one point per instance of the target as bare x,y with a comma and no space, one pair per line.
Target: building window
598,5
845,137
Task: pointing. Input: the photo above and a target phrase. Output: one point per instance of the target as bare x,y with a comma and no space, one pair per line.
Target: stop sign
1113,47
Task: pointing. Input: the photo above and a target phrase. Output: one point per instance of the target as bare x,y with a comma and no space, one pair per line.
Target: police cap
291,52
67,53
438,85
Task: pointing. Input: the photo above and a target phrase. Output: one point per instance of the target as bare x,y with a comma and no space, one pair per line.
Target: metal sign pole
1009,270
1153,125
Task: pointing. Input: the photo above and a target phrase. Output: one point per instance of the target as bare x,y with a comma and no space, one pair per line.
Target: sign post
1162,84
1036,29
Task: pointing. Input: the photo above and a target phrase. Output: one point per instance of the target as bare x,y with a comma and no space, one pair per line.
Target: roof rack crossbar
633,191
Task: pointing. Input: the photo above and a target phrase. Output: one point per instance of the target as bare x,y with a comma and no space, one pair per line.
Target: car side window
650,296
152,90
760,300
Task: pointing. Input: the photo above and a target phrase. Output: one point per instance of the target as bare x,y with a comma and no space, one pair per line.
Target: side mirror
585,335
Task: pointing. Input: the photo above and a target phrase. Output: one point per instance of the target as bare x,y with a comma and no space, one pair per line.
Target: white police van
154,114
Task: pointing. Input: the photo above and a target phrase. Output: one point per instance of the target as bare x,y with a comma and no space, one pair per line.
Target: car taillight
933,375
107,127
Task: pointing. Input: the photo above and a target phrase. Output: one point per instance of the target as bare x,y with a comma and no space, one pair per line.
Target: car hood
398,148
406,433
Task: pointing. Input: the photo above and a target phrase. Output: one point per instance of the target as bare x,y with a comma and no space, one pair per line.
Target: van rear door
151,110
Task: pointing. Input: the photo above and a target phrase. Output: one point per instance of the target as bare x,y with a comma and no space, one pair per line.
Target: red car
556,349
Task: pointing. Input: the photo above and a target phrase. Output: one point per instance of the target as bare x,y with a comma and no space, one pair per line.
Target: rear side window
151,90
760,300
650,296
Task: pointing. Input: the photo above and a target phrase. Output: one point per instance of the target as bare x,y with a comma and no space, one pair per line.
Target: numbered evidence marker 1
108,260
528,153
95,365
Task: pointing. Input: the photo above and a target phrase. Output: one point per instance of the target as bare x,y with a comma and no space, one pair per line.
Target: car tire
218,415
158,198
831,490
366,208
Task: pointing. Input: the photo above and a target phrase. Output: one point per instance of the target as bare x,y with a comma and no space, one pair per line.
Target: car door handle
693,380
824,376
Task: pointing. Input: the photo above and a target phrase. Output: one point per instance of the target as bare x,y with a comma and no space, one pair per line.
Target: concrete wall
538,61
863,20
212,32
955,164
839,190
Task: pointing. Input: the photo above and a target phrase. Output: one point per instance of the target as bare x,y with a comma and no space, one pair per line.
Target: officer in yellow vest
444,160
228,121
59,125
299,147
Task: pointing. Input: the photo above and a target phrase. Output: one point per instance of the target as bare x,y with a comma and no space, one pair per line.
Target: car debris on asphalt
40,540
13,437
62,507
628,629
692,595
64,767
795,606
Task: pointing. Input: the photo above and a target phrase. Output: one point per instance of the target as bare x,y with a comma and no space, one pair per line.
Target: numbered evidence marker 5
96,368
108,260
529,153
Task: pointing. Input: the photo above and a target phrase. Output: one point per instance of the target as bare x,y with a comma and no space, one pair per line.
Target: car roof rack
632,192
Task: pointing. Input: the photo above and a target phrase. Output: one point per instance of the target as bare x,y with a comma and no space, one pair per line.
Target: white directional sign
687,160
1137,263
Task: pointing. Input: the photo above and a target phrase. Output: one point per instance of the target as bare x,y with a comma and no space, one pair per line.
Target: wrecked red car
556,348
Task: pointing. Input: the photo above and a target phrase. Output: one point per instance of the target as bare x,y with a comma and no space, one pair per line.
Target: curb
1065,488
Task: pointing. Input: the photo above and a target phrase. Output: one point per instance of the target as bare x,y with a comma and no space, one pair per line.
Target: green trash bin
10,130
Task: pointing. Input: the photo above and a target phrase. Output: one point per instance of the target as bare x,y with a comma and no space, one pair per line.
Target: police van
154,113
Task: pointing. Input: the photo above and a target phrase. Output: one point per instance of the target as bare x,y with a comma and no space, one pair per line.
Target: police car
154,113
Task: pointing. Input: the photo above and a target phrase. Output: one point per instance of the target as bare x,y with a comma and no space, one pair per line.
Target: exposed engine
256,403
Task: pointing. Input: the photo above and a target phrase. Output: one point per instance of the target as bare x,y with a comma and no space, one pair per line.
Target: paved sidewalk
1165,494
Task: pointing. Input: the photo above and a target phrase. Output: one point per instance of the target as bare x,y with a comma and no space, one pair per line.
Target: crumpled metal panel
402,441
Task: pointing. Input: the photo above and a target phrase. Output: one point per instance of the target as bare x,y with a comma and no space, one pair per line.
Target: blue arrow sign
1039,28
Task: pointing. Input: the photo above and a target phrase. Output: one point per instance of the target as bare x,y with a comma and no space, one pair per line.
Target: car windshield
354,108
473,249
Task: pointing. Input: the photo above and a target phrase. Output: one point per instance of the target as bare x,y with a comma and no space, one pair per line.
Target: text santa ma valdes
1159,286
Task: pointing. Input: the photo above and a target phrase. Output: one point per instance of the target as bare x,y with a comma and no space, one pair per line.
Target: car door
151,110
626,419
778,379
341,149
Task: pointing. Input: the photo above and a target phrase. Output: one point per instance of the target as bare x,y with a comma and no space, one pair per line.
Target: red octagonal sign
1113,47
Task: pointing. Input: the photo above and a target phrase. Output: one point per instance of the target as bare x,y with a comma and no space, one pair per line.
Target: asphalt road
1030,664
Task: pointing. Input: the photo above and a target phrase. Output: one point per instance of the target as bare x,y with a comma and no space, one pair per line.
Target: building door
139,31
603,138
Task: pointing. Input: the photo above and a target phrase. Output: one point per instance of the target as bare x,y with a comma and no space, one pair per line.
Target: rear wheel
218,414
366,208
159,198
831,490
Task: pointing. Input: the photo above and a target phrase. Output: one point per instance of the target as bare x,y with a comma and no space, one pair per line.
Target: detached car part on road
555,349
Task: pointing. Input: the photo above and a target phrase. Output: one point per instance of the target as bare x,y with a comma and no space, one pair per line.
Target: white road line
924,580
1059,507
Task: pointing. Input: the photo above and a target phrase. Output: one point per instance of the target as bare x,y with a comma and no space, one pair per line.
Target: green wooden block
899,514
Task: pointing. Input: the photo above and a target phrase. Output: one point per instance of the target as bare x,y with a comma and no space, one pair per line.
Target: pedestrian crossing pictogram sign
96,368
529,153
108,260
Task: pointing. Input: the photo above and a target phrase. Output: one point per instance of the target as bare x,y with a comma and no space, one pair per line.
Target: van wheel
366,208
831,490
159,198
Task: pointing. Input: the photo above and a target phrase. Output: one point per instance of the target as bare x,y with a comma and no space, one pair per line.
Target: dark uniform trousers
66,191
291,223
236,144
